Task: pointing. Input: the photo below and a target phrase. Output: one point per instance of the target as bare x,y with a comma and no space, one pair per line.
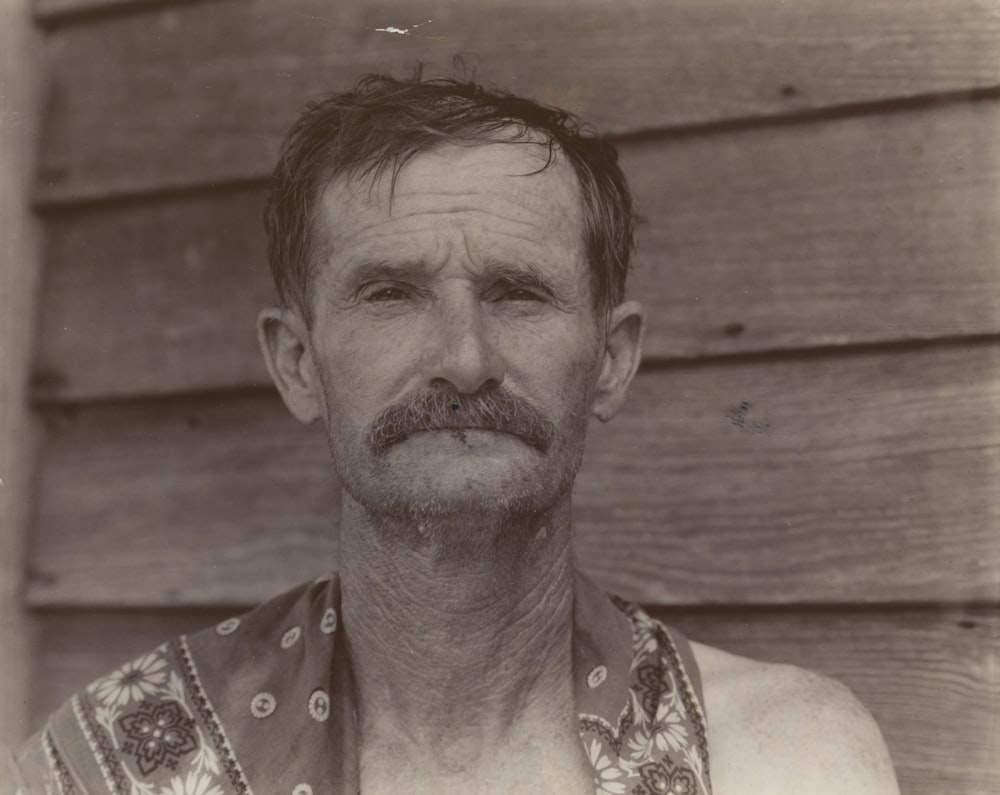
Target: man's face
471,290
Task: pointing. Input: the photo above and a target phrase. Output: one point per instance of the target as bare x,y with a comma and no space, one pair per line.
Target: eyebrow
378,270
526,273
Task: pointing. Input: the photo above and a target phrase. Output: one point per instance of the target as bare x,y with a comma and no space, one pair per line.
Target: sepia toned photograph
575,397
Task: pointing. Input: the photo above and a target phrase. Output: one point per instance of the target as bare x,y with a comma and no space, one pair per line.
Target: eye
522,294
512,291
382,292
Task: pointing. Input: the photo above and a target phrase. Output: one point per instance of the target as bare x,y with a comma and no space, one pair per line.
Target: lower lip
465,435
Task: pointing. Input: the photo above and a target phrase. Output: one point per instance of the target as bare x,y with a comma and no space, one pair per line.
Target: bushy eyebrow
525,274
409,272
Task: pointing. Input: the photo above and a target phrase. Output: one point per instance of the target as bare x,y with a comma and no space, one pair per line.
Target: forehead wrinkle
485,188
374,270
355,217
535,234
519,209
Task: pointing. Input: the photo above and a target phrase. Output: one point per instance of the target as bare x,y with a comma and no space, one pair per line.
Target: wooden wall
19,270
808,467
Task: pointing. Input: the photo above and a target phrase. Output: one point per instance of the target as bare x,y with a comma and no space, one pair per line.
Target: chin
467,491
470,505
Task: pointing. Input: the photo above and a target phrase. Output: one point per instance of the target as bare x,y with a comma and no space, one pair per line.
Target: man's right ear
284,341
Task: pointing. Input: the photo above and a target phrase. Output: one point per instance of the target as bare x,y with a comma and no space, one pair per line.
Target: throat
463,649
456,659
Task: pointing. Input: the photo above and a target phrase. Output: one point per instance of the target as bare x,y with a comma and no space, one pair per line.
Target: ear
622,352
284,341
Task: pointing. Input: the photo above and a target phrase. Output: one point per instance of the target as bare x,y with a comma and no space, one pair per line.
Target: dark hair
383,122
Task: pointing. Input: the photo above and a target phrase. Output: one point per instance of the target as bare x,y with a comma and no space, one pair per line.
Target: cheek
354,359
562,375
362,371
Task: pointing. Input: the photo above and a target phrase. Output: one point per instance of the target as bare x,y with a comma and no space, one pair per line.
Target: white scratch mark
402,31
879,150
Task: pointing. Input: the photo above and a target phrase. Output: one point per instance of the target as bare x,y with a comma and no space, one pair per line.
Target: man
451,264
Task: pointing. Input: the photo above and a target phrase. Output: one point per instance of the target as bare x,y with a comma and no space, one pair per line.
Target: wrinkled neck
457,647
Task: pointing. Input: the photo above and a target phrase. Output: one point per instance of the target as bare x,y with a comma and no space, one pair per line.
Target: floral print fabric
257,704
659,745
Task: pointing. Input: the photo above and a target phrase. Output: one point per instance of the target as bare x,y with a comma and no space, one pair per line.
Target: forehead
505,197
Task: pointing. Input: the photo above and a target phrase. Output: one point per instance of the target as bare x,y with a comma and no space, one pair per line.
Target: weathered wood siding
20,266
808,469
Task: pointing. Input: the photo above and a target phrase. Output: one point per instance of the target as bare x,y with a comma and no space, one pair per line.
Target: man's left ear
622,352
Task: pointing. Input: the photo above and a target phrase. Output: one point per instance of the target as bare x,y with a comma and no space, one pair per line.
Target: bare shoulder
779,729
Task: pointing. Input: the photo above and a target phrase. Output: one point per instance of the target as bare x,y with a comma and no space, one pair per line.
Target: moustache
494,409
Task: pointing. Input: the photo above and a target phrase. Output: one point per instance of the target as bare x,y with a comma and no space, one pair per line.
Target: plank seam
54,18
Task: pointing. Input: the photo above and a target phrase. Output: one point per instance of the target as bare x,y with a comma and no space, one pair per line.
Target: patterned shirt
257,703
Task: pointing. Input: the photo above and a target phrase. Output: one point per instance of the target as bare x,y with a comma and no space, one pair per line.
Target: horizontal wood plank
153,298
231,492
201,93
863,478
801,480
859,230
928,677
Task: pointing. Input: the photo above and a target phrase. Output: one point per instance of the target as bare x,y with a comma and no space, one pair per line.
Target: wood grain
807,479
875,228
201,93
852,478
156,298
230,492
928,677
20,269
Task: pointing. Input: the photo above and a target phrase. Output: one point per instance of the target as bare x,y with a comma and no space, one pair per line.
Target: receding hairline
383,122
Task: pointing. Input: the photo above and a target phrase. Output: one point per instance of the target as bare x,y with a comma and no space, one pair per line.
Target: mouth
461,434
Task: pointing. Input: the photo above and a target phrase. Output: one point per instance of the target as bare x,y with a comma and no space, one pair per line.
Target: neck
458,647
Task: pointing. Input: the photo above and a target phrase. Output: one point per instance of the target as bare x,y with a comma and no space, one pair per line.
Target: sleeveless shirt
257,703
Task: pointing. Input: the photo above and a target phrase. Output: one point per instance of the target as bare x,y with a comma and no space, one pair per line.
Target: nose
466,355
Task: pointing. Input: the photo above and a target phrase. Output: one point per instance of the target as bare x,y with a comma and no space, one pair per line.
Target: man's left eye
522,294
388,293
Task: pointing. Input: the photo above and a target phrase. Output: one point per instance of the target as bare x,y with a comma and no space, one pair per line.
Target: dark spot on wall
733,329
967,624
788,90
738,416
194,421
